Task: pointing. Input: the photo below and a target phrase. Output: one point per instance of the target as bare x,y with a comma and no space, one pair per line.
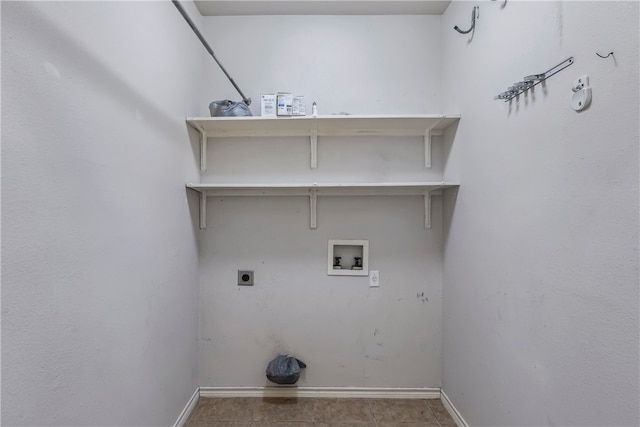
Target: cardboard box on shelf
299,107
268,105
285,104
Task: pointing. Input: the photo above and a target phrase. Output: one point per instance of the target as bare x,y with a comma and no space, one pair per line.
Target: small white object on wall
374,279
581,93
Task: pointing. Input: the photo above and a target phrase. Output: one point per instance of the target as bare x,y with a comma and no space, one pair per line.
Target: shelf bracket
313,140
203,146
313,208
203,211
427,143
427,210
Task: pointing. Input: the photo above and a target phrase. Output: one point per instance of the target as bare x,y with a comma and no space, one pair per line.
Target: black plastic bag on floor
284,369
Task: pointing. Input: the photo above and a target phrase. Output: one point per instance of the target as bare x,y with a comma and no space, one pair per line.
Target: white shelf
424,125
320,7
313,190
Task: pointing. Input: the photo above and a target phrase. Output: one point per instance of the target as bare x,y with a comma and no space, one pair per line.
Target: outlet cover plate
374,278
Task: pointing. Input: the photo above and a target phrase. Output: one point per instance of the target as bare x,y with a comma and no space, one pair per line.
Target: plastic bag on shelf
227,108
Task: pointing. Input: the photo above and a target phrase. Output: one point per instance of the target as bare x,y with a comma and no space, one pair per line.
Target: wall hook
610,54
474,13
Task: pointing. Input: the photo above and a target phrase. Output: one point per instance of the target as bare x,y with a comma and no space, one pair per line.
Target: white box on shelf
268,105
299,107
285,104
348,258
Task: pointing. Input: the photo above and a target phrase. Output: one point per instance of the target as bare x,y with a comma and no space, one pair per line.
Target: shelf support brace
313,139
203,146
203,211
203,151
427,143
427,150
313,205
427,210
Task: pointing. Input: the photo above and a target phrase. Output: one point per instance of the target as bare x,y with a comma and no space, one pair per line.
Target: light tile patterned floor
308,412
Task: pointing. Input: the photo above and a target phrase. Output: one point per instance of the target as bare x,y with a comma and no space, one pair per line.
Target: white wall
353,64
348,333
541,253
99,265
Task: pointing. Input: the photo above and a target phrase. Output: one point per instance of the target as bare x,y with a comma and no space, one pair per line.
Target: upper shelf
424,125
333,125
322,7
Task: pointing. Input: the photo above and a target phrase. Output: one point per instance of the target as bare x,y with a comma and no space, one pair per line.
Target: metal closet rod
184,14
530,81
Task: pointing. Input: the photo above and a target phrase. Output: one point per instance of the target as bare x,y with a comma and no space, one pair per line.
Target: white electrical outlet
374,278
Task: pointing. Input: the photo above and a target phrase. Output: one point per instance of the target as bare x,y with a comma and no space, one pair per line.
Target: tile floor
310,412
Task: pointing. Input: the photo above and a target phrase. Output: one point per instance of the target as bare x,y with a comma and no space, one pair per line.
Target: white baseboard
327,392
455,414
186,412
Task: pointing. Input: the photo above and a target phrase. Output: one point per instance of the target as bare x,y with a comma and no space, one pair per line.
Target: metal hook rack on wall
532,80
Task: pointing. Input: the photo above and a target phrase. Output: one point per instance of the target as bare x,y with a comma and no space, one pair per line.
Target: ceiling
321,7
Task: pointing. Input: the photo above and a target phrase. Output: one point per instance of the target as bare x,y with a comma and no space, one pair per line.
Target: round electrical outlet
245,278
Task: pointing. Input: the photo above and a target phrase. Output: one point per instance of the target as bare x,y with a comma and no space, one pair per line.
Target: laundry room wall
348,333
99,255
541,292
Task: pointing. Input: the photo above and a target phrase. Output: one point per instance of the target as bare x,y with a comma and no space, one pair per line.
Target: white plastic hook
581,93
580,83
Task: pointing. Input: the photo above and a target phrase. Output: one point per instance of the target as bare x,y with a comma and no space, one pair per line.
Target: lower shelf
313,190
